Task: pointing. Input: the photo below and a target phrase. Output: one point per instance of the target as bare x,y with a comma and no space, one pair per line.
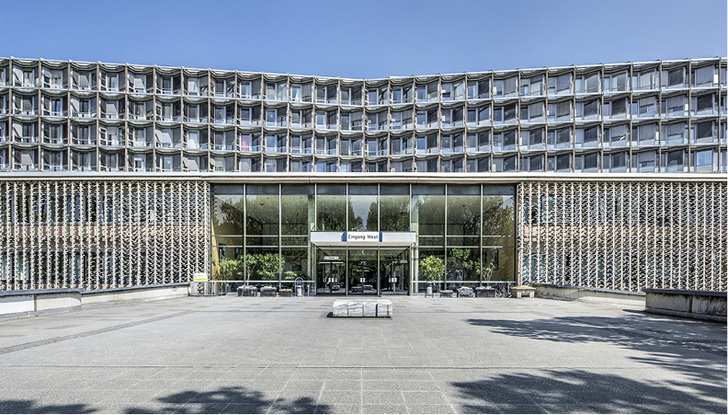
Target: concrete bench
362,308
523,291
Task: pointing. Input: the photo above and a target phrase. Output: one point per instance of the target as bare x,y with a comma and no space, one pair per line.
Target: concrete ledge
63,299
69,299
627,298
703,305
362,308
141,293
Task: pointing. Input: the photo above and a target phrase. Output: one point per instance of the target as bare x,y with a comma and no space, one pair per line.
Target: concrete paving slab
234,355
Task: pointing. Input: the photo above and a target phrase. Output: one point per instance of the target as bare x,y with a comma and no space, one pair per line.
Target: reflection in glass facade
276,219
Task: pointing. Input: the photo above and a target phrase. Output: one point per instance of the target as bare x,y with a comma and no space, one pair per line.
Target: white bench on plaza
523,291
362,308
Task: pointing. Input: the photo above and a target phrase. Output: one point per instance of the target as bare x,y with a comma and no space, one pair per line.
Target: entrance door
330,272
363,272
394,274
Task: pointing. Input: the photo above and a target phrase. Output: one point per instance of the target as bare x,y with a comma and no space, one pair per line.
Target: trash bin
299,287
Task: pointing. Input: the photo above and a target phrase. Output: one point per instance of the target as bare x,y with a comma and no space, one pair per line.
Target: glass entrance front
362,271
394,265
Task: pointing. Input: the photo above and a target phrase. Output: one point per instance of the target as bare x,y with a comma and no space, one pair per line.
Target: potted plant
285,292
485,272
433,268
446,293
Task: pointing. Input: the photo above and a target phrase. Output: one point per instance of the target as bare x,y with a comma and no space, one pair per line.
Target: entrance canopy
364,239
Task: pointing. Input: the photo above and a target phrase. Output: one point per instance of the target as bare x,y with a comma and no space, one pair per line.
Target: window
644,107
674,161
645,162
704,132
452,117
675,133
616,82
704,105
560,163
673,78
532,139
560,84
477,142
506,87
704,77
447,92
560,138
616,108
587,84
587,137
646,79
428,93
616,135
560,111
617,162
532,163
509,140
588,163
705,160
532,112
479,89
532,86
645,134
674,106
587,110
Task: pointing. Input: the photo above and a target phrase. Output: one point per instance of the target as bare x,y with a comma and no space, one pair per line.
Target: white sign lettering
362,237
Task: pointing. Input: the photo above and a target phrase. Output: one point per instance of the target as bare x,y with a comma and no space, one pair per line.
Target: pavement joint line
99,366
458,367
30,345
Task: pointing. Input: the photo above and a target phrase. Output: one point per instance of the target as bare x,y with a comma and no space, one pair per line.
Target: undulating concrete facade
609,176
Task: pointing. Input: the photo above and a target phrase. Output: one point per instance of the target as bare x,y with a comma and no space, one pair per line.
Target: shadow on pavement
228,400
694,351
222,400
565,391
29,406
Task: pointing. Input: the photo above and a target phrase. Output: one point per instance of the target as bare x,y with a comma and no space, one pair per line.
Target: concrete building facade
608,176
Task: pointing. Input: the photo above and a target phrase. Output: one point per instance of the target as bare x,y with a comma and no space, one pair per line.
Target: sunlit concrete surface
443,355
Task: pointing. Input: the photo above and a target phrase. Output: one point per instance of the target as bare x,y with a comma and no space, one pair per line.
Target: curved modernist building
610,176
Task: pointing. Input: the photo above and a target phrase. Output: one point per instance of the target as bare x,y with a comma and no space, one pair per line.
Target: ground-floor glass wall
261,234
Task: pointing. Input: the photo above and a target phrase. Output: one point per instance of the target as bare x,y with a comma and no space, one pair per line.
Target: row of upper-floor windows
648,161
676,105
706,131
472,87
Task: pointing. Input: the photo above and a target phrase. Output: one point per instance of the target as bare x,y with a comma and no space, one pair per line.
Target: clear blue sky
364,39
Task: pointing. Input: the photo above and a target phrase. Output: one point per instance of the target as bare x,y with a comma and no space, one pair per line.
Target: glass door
394,272
363,272
330,272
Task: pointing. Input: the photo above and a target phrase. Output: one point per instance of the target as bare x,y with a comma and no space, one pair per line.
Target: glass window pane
227,209
331,208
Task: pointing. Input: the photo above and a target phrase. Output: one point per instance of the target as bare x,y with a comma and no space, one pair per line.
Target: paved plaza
286,355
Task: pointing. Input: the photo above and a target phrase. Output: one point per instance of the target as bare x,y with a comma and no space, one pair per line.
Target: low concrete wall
12,302
704,305
627,298
66,299
149,292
